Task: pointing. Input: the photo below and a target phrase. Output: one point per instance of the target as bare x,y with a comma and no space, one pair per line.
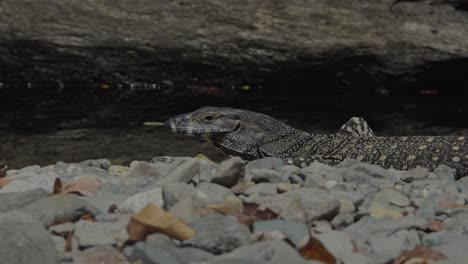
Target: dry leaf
419,252
4,182
83,185
153,219
314,249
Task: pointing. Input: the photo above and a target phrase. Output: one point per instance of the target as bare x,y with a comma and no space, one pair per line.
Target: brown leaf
419,252
153,219
83,185
314,249
4,182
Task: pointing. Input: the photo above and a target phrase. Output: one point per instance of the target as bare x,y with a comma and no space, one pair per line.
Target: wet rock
302,205
138,201
229,172
183,173
295,231
15,200
265,252
62,207
160,249
25,240
218,234
213,193
102,233
262,189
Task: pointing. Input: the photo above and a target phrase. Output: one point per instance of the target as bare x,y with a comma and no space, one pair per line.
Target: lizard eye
208,118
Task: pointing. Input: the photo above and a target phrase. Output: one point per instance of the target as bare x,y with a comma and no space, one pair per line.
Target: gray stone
118,170
346,207
458,222
229,172
62,228
218,234
138,201
104,200
107,217
15,200
262,189
271,163
341,221
363,173
213,193
99,255
175,192
295,231
340,245
166,164
183,173
271,252
63,207
144,169
188,209
24,240
102,233
444,172
205,173
266,175
388,247
68,171
45,181
104,163
451,243
60,244
355,197
384,226
317,171
159,249
302,205
321,226
417,173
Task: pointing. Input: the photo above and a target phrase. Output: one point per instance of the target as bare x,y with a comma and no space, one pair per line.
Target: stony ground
192,210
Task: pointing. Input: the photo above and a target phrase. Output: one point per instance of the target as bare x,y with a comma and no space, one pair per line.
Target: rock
183,173
62,207
100,255
118,170
290,171
25,240
295,231
229,172
340,245
138,201
317,170
46,181
160,249
83,184
270,163
458,222
283,187
262,189
388,202
15,200
346,207
205,173
102,233
188,210
214,193
69,171
369,226
232,205
302,205
321,226
104,200
166,164
175,192
341,221
153,219
451,243
242,186
363,173
271,252
218,234
60,244
356,198
266,175
417,173
62,228
444,172
386,248
144,169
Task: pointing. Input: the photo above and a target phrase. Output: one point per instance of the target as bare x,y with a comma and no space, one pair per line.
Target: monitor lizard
252,135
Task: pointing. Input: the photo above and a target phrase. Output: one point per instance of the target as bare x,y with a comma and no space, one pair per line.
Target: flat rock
229,172
144,169
62,207
138,201
302,205
266,175
214,193
45,181
25,240
102,233
295,231
15,200
271,252
266,163
218,234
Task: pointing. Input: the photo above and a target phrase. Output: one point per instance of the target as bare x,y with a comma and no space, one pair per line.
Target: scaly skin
253,135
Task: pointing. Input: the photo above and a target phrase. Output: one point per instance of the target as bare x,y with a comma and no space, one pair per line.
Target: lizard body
252,135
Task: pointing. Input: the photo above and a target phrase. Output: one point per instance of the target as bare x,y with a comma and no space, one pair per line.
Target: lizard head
237,132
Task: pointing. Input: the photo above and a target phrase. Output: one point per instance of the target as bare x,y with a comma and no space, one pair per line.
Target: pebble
218,234
361,213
